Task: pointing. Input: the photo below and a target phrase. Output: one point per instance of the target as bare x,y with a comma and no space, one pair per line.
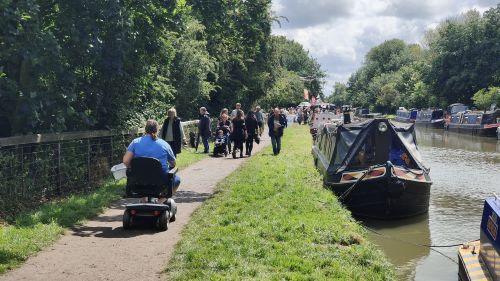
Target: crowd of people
236,132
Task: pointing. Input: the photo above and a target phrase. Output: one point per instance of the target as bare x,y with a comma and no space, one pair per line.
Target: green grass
273,220
189,156
28,233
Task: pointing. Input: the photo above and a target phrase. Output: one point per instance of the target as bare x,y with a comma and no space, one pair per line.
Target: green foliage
77,65
460,58
293,71
260,228
484,98
464,52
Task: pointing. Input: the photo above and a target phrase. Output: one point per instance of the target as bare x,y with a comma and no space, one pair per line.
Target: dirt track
101,250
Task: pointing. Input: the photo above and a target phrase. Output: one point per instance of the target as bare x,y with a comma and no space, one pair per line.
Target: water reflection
464,169
450,140
398,239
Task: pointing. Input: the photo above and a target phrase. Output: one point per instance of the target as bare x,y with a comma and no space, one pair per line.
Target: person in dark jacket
252,127
276,124
238,133
172,131
204,129
225,125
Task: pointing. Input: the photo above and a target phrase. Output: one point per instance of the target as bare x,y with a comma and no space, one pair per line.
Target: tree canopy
458,58
88,64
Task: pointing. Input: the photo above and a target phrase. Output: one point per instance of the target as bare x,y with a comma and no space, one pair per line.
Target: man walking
276,124
235,111
260,119
204,128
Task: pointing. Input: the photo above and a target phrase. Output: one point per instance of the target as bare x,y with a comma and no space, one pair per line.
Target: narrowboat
406,116
456,108
374,167
430,118
480,259
475,123
365,113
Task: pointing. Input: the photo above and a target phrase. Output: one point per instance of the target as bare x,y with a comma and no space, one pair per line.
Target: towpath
101,250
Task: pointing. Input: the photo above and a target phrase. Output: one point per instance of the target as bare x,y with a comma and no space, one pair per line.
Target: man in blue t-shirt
150,145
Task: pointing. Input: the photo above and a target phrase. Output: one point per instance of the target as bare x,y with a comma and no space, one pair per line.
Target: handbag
257,138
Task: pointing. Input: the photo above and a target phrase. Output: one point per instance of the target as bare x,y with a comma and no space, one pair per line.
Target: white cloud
339,32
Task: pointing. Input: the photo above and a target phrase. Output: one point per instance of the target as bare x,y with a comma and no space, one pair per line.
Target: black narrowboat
430,118
475,123
374,167
406,116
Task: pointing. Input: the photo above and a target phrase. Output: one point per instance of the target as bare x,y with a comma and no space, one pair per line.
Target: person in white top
235,111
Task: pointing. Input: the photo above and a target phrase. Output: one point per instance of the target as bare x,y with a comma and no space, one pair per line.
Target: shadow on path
190,196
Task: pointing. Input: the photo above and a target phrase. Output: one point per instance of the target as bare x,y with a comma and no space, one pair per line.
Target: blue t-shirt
147,147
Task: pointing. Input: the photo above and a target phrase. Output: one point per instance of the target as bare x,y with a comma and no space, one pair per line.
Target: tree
484,98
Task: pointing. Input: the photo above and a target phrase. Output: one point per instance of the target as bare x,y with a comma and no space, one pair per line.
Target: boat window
399,155
408,141
365,156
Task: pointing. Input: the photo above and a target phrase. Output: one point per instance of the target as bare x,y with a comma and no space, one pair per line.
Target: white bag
119,171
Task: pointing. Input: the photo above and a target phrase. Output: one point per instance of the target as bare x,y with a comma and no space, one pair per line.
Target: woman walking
252,126
172,131
238,133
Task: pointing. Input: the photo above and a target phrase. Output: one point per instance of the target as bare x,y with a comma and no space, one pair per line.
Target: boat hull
437,124
478,130
386,198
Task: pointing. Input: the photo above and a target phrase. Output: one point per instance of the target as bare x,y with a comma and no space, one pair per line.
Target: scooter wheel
162,222
173,209
127,220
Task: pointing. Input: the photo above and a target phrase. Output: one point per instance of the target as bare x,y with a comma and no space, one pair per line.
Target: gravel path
101,250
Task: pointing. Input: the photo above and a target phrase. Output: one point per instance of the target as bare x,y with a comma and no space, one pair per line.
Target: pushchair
145,179
220,146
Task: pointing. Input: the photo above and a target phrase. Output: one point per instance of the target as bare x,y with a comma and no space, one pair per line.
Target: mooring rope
431,247
351,188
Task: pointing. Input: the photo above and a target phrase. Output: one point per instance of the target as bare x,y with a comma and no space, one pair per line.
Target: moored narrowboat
475,122
374,167
480,260
430,118
406,116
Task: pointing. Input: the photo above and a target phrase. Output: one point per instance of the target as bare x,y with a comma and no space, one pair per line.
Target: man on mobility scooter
151,176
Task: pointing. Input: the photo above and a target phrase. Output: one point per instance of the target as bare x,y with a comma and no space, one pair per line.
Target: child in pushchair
220,147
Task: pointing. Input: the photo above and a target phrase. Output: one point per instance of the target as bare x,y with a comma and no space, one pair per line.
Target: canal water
464,170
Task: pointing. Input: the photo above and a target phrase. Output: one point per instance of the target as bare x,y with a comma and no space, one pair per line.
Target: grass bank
28,233
273,220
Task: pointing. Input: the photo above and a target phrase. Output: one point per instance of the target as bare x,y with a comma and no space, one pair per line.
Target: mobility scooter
145,180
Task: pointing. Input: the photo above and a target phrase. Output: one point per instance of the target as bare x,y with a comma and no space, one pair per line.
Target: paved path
101,250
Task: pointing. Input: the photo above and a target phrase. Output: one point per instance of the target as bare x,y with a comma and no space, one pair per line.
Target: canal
464,170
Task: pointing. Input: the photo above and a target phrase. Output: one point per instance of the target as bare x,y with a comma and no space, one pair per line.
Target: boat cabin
407,116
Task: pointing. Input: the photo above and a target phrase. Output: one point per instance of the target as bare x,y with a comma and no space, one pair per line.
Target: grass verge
273,220
188,157
28,233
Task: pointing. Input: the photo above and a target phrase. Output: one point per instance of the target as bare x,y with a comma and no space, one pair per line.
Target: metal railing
39,168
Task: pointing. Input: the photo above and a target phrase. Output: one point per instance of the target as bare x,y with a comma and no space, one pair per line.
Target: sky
338,33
